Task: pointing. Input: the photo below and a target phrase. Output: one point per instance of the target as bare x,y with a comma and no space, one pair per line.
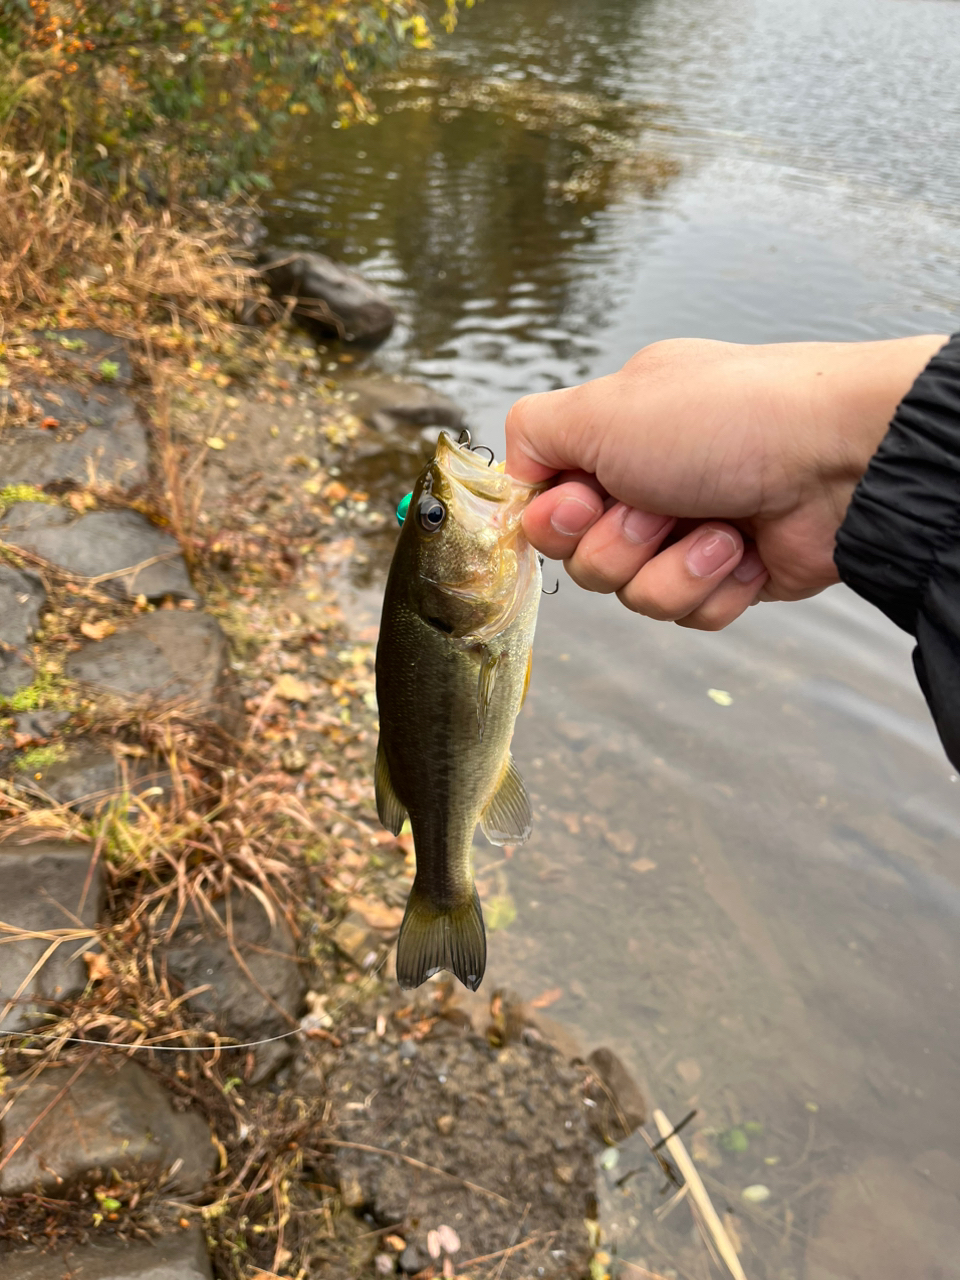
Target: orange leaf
292,689
98,630
546,998
377,914
50,424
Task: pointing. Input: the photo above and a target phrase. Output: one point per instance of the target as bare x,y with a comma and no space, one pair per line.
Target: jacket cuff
904,517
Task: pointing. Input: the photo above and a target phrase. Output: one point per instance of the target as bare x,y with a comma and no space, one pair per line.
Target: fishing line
173,1048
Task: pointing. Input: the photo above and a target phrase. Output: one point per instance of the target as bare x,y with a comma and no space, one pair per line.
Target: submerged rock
46,885
620,1105
122,549
330,297
386,403
112,1117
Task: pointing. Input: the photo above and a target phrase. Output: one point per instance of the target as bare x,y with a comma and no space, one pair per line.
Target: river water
756,904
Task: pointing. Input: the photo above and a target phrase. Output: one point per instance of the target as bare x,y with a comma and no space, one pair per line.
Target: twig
698,1194
417,1164
505,1253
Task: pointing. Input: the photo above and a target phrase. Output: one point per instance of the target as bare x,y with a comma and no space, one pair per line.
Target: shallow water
757,904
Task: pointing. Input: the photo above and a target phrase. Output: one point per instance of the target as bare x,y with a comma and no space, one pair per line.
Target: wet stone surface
46,885
123,549
511,1121
169,656
249,968
113,1117
175,1257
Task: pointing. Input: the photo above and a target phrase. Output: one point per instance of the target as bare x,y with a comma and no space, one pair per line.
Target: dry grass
67,251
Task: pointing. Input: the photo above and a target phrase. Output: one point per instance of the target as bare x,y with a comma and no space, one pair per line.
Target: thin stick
698,1194
504,1253
642,1271
417,1164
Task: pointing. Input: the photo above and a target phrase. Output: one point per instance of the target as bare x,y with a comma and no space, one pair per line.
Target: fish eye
432,513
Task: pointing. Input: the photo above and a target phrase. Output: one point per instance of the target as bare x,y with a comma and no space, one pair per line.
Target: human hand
704,476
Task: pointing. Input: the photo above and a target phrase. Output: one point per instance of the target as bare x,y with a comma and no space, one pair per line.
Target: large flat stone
21,598
122,549
114,1118
169,657
14,673
98,438
47,885
90,776
253,998
176,1257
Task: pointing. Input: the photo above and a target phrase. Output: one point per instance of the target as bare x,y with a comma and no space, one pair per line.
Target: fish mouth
480,494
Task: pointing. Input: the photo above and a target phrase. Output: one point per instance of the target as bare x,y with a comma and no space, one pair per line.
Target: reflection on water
757,903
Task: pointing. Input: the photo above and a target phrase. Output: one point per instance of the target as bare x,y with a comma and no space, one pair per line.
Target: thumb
556,431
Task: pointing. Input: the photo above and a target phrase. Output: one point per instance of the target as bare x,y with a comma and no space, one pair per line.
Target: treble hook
556,587
483,448
465,431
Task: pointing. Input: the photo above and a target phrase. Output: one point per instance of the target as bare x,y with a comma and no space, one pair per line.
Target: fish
453,666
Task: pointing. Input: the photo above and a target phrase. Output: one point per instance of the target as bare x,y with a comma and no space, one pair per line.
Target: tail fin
433,938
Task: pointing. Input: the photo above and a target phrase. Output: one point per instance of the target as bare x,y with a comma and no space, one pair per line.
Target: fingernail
643,526
571,516
750,567
710,552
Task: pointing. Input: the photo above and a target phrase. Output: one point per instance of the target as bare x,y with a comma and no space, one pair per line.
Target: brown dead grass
68,252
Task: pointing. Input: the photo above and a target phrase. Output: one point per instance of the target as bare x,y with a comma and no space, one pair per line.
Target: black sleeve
899,545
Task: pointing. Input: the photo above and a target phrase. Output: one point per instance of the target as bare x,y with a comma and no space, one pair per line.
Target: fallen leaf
98,630
98,966
546,998
433,1244
571,822
720,697
644,864
501,912
397,1243
292,689
755,1194
50,424
215,442
377,914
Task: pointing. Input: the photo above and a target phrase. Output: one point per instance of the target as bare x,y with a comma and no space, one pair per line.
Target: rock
87,349
356,940
47,884
621,1107
130,555
15,674
386,403
169,656
21,598
24,515
113,1119
98,437
39,725
411,1261
330,297
174,1257
248,1005
90,776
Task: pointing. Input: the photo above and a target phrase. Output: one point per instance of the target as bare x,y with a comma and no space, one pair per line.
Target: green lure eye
403,508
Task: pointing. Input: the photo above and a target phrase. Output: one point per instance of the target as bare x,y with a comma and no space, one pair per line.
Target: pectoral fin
391,812
508,818
487,679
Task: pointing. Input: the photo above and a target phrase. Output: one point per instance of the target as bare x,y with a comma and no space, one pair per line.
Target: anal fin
508,817
389,809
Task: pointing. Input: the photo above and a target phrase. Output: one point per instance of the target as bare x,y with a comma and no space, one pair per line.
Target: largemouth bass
453,664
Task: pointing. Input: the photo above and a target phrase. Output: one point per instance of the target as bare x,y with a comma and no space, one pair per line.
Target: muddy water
755,898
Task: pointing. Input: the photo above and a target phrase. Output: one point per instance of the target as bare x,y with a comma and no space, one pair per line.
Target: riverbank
193,860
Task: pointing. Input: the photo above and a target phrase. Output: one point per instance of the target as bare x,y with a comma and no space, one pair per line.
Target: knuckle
649,608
